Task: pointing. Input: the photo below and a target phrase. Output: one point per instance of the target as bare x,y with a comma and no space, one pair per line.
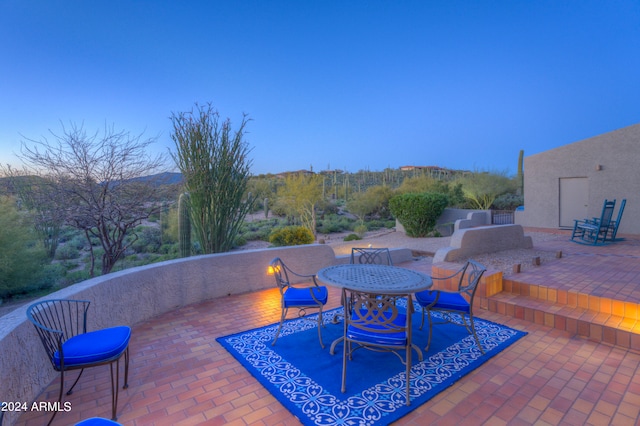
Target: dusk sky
328,84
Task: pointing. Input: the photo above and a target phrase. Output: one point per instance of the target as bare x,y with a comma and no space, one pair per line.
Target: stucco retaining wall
486,239
136,295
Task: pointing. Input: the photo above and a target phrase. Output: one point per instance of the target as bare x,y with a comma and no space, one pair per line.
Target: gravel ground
502,261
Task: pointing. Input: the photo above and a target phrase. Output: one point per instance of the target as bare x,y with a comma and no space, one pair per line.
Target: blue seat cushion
97,421
447,300
302,296
398,338
94,346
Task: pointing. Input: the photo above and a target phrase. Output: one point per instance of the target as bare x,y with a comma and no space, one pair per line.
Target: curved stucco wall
136,295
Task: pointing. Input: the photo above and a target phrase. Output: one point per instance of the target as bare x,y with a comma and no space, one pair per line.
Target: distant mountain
166,178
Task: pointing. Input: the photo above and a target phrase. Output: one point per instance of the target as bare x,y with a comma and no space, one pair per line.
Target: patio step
596,318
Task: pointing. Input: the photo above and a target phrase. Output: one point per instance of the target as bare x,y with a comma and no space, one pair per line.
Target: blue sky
340,84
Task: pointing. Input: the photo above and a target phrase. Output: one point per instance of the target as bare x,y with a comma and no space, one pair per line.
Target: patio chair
368,255
456,307
375,322
302,298
613,226
594,231
62,327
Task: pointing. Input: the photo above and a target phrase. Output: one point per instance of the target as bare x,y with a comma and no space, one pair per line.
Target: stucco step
584,322
574,299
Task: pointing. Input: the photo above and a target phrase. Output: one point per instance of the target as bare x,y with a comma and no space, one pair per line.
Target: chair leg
430,333
70,391
115,386
59,396
408,374
320,324
345,351
475,335
126,368
282,317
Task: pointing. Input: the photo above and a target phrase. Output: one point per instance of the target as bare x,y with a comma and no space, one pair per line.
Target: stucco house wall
611,164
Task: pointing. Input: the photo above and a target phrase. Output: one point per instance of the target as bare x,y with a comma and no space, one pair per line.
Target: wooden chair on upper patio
594,231
613,226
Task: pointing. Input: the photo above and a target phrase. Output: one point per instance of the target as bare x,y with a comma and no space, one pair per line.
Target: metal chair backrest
375,313
371,256
56,321
279,270
470,278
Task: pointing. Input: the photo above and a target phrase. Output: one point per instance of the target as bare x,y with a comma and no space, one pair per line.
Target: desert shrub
328,226
291,236
508,201
78,241
334,223
240,241
418,213
328,207
380,224
67,251
171,249
149,239
372,203
360,230
352,237
21,258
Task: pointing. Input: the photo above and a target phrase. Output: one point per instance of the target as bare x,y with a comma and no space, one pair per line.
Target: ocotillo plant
184,225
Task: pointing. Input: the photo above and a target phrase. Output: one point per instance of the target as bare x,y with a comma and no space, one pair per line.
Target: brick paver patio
181,376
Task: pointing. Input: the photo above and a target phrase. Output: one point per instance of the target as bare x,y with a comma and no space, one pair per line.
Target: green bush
291,236
418,213
21,257
352,237
67,251
508,202
149,240
331,223
360,230
240,241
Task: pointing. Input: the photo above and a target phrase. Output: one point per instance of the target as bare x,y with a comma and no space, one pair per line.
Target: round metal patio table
378,279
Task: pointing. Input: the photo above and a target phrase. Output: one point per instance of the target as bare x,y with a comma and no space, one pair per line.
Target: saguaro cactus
266,208
521,172
184,225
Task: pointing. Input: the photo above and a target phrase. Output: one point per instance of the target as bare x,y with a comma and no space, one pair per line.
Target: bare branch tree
94,183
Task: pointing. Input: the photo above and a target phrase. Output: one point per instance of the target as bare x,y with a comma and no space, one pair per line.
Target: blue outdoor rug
306,379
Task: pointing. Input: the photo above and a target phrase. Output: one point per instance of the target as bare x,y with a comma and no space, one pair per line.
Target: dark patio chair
456,307
62,327
368,255
374,322
302,298
613,226
594,231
